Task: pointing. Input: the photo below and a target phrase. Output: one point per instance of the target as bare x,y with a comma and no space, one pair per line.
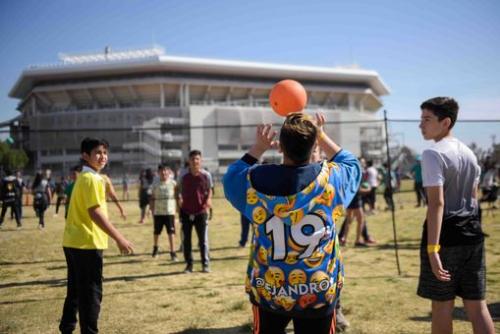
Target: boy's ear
85,157
447,122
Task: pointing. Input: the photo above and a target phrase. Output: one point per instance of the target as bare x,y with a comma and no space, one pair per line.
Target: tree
12,159
17,159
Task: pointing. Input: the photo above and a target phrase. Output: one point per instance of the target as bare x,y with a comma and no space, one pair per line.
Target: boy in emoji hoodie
295,271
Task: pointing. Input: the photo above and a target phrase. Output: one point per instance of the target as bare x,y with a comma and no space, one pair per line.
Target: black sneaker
155,252
206,269
173,257
189,269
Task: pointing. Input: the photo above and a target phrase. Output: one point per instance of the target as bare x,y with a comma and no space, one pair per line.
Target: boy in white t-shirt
452,248
163,205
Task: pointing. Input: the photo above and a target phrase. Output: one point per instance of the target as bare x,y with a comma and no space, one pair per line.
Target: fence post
389,184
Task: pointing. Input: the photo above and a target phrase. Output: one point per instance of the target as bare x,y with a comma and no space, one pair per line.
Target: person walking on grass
11,194
74,172
146,180
416,172
163,205
42,194
194,200
295,272
85,237
452,253
60,193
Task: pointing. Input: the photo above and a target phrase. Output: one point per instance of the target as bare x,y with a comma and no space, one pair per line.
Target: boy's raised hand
264,140
320,120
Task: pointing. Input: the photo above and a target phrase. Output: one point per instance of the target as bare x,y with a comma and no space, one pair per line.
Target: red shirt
194,191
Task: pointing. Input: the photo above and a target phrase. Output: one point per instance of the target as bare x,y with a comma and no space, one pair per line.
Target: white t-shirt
451,164
372,176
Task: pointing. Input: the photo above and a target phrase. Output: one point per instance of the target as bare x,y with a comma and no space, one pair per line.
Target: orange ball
287,96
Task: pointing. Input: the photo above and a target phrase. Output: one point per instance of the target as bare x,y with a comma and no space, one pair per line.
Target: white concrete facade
154,108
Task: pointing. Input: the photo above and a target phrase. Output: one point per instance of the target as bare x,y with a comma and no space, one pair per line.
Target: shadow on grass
25,301
228,330
401,245
62,282
459,314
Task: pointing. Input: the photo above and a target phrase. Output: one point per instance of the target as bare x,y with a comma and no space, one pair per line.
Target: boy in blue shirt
295,270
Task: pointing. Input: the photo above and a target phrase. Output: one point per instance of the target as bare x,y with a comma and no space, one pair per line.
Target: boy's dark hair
442,107
297,137
369,163
88,144
194,153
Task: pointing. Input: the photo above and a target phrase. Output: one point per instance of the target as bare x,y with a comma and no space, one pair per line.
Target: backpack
40,201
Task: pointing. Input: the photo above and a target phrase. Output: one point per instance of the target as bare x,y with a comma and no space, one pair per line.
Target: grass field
146,295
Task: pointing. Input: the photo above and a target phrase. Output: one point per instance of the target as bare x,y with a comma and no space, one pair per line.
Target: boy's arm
433,181
152,200
209,199
435,208
112,194
100,219
350,169
325,143
178,194
235,179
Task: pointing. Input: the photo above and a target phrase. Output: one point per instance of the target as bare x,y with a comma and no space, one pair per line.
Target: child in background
42,194
60,193
69,187
111,194
163,204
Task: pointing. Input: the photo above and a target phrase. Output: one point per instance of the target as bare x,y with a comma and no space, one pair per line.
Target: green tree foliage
12,159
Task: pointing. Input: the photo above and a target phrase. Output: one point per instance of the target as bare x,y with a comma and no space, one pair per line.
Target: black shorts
356,202
466,265
167,220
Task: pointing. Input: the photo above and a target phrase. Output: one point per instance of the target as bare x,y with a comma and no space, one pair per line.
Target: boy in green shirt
85,237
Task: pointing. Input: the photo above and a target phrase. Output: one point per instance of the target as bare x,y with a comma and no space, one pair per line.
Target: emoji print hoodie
295,266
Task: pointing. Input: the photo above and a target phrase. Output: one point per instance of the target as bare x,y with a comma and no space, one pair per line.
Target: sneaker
341,322
189,269
360,244
1,226
155,252
19,227
173,257
40,226
206,269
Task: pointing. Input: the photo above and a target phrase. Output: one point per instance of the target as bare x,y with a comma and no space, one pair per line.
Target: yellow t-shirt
80,231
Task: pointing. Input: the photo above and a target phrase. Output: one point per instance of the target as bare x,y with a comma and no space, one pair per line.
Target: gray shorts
466,265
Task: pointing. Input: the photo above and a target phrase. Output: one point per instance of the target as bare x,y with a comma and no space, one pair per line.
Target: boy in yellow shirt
85,237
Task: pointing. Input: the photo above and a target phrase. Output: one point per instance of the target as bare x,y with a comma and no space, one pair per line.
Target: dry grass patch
145,295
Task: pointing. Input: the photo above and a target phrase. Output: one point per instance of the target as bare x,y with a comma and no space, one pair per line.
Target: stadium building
154,107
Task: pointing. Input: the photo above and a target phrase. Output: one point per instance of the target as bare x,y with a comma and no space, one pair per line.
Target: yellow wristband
322,135
433,249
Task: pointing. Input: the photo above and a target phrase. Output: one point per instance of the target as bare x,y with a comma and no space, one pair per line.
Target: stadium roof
86,66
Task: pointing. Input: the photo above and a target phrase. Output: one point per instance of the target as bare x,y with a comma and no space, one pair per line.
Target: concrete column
350,102
181,95
186,95
162,96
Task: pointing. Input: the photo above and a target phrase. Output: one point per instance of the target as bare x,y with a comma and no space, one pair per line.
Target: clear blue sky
421,48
